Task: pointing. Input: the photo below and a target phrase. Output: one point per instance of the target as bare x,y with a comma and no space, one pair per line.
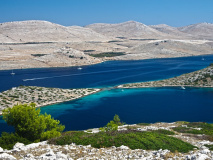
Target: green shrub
210,147
163,131
207,128
7,140
108,54
30,124
112,125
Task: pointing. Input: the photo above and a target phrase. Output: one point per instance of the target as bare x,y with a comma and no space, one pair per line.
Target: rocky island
41,96
200,78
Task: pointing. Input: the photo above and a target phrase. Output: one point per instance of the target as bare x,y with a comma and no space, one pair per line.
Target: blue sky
83,12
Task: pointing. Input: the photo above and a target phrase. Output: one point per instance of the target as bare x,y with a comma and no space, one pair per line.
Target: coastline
201,78
102,60
38,96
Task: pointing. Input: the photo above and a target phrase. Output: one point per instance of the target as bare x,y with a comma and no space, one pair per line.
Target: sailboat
182,87
79,68
12,73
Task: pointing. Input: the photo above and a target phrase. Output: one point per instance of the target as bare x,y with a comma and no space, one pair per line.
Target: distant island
42,44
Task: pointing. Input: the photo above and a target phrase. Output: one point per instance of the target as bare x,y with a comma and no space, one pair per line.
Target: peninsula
200,78
41,96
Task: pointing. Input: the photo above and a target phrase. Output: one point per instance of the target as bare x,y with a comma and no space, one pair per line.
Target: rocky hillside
33,44
167,48
43,31
200,30
130,29
201,78
173,31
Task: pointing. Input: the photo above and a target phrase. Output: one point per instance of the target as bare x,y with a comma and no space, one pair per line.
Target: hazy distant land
36,44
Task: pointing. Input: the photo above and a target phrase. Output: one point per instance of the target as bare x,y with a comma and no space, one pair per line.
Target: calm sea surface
132,105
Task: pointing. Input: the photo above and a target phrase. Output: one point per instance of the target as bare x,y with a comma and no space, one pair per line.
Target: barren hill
168,48
43,31
201,30
32,44
130,29
173,31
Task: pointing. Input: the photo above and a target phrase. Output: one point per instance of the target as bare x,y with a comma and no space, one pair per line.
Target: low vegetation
108,54
210,147
196,128
110,136
38,55
132,139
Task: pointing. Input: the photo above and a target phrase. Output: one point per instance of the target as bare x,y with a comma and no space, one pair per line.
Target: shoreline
102,61
191,86
41,94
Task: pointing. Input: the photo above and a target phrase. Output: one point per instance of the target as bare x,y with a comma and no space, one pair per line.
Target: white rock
205,151
18,146
60,155
203,157
1,149
123,147
6,156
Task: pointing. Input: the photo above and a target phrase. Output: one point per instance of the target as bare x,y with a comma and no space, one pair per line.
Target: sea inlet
167,104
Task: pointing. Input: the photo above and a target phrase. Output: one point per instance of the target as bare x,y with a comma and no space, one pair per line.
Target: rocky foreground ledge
200,78
41,96
43,150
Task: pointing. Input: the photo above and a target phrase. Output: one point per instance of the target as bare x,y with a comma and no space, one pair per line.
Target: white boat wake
79,74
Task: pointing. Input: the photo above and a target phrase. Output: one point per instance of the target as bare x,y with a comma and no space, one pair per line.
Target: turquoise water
132,105
135,105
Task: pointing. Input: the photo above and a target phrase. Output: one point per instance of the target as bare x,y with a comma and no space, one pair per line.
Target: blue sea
132,105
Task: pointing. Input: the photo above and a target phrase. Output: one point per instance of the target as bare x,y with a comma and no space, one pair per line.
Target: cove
134,106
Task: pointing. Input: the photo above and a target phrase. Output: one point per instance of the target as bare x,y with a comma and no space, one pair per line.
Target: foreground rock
46,151
41,96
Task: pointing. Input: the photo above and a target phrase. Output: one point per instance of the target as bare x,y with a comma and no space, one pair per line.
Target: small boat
12,73
182,87
203,59
79,68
